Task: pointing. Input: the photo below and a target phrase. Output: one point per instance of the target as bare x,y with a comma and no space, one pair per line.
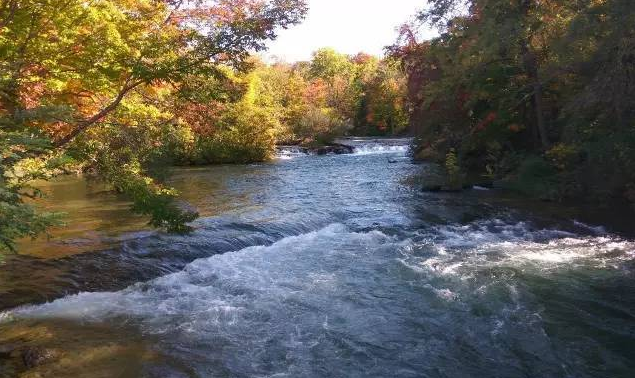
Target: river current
332,266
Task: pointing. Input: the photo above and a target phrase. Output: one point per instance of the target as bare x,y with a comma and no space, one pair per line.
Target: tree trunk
530,63
531,67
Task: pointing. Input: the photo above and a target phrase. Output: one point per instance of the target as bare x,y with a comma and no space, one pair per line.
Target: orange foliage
489,118
202,118
316,92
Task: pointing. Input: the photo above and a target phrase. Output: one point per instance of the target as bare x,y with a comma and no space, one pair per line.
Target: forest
120,90
538,96
533,96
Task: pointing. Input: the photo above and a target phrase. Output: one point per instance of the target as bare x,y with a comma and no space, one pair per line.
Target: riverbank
533,177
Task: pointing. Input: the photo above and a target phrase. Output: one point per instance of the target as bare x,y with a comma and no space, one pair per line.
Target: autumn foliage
108,87
538,94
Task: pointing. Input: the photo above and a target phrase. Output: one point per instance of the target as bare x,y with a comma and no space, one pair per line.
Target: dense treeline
302,103
120,89
357,94
540,94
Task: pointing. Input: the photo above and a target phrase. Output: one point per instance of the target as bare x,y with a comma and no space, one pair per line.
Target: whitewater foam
221,287
459,250
372,149
337,291
360,147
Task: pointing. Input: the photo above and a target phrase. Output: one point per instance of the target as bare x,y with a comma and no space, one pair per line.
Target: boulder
335,148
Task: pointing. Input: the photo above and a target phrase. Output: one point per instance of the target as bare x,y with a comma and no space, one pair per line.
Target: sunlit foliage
100,85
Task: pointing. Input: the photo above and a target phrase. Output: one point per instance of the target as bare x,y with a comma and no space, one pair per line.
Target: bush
536,177
453,171
247,134
320,124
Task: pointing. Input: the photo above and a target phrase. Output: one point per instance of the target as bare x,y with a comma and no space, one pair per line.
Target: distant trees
241,118
334,94
540,93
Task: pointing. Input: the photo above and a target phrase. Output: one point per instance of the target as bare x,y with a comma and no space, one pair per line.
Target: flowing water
330,266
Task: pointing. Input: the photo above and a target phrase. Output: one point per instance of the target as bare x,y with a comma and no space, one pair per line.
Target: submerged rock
18,358
35,356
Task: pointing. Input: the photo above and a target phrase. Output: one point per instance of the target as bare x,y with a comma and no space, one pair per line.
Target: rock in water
35,356
335,148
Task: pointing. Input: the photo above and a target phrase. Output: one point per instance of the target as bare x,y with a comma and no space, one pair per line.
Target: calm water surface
334,266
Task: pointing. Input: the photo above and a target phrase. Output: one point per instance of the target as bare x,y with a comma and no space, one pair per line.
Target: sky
349,26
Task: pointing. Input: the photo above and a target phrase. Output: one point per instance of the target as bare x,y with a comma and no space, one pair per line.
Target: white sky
349,26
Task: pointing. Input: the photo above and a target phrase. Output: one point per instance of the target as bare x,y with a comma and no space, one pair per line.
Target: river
324,266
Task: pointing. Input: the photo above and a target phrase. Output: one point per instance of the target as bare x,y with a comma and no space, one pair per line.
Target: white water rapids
371,278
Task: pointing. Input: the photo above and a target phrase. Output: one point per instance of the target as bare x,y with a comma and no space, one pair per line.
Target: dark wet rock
35,356
328,149
335,148
445,188
17,358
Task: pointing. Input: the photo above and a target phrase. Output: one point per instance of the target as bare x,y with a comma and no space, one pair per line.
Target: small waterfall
290,152
370,149
360,145
373,146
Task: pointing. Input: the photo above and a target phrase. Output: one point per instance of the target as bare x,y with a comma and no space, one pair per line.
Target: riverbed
323,266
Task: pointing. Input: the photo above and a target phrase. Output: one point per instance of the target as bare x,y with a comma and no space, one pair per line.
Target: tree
84,74
381,107
524,86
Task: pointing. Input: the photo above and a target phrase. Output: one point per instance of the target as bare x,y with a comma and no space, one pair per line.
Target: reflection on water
93,215
97,218
334,266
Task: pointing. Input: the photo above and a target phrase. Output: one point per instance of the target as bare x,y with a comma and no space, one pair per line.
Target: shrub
247,134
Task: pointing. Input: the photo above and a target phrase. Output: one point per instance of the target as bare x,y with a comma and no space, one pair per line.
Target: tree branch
85,124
